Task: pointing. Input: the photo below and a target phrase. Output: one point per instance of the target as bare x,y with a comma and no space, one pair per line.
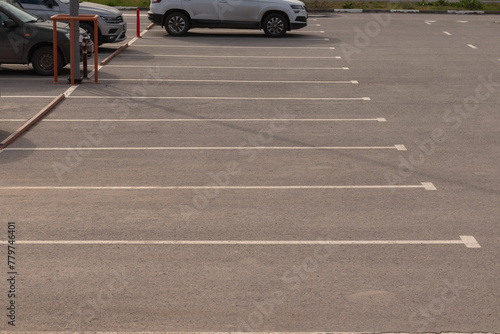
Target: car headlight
109,19
297,8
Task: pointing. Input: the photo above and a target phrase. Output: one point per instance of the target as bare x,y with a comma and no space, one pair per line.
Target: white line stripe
28,96
210,120
400,147
206,148
246,57
232,67
207,37
446,33
472,46
221,98
235,81
236,47
241,242
419,186
470,241
428,186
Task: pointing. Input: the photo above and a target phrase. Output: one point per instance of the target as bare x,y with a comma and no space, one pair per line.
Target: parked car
275,17
112,28
25,38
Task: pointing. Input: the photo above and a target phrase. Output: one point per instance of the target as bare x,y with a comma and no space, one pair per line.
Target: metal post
85,59
74,7
138,24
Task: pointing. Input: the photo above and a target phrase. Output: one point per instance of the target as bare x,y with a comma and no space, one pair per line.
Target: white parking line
472,46
226,56
220,98
201,148
28,96
446,33
232,67
251,242
354,82
249,37
423,185
206,120
236,47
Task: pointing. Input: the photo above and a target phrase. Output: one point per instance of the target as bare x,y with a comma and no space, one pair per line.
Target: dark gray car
25,39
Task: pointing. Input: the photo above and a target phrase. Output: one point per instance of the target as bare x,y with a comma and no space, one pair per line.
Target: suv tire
89,28
275,25
176,24
43,60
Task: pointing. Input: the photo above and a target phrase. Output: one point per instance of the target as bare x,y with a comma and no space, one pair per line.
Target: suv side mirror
50,3
9,23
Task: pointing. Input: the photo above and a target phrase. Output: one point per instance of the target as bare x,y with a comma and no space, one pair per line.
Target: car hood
62,27
97,9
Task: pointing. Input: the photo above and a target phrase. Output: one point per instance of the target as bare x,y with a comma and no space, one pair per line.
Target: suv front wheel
176,24
275,25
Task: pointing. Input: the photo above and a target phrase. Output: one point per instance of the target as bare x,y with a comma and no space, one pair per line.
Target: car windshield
22,15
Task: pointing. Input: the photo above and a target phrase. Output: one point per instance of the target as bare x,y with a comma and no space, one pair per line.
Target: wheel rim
176,24
46,61
275,25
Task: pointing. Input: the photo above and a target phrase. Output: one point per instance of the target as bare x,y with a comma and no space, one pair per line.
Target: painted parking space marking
447,33
353,82
234,67
237,47
248,37
468,241
220,98
207,120
472,46
128,54
214,148
423,185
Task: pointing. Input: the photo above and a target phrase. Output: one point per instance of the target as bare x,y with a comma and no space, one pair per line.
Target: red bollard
84,53
138,24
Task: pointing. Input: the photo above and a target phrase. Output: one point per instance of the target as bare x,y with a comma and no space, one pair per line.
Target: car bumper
155,18
114,33
298,25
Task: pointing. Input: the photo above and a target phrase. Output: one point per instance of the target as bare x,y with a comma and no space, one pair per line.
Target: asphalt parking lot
341,179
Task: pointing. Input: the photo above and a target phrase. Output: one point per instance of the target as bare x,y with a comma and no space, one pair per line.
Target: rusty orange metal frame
72,19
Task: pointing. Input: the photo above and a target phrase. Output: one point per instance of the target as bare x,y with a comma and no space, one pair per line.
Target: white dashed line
472,46
446,33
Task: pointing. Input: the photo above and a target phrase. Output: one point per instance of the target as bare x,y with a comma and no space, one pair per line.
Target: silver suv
275,17
112,28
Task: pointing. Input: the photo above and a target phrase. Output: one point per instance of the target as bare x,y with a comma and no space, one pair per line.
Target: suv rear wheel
176,24
275,25
43,60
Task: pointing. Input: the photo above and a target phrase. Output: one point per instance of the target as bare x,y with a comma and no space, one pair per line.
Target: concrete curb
32,121
111,56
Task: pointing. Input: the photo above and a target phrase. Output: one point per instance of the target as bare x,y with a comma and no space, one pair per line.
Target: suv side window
32,2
